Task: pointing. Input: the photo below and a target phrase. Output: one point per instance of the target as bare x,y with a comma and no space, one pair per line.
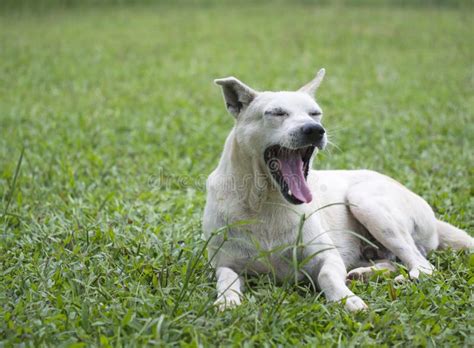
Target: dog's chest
274,227
265,245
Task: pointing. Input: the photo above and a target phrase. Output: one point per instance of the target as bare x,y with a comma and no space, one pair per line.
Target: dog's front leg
331,279
229,288
327,269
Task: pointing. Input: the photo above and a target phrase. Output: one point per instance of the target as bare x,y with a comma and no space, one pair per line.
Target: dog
267,211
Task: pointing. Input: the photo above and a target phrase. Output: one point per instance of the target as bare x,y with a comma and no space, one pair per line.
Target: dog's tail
453,237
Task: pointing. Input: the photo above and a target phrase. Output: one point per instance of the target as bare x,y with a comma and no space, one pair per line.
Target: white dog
267,211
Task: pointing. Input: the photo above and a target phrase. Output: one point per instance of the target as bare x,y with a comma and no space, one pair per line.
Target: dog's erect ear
313,85
237,95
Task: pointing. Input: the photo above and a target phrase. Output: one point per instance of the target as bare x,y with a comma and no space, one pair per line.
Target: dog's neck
245,176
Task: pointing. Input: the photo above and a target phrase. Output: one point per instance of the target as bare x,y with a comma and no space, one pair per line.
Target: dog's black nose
313,131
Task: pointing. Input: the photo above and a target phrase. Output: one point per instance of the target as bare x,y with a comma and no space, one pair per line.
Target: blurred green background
114,106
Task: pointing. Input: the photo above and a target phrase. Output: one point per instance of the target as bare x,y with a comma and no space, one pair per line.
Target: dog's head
281,129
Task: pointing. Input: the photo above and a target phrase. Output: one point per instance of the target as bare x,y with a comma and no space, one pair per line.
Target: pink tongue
292,170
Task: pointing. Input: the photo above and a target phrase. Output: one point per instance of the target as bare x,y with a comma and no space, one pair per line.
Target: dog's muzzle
289,168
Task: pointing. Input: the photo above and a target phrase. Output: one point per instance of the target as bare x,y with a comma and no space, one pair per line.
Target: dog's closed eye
277,112
315,113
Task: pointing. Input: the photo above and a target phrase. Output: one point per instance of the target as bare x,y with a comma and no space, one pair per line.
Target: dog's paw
400,279
414,274
228,301
361,273
355,304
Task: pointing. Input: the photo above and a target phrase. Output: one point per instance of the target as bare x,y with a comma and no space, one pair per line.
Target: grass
114,116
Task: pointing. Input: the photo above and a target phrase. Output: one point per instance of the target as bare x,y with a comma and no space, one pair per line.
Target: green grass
120,124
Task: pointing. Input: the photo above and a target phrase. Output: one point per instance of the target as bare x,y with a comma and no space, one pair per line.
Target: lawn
110,123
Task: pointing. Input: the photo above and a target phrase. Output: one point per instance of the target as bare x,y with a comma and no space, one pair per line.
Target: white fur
253,229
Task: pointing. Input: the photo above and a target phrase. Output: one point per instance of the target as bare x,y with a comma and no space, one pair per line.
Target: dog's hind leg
390,221
364,273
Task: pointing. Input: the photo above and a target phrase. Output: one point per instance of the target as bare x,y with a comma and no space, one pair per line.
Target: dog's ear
237,95
313,85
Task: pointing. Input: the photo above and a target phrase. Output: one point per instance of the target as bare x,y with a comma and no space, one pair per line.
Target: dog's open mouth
289,168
